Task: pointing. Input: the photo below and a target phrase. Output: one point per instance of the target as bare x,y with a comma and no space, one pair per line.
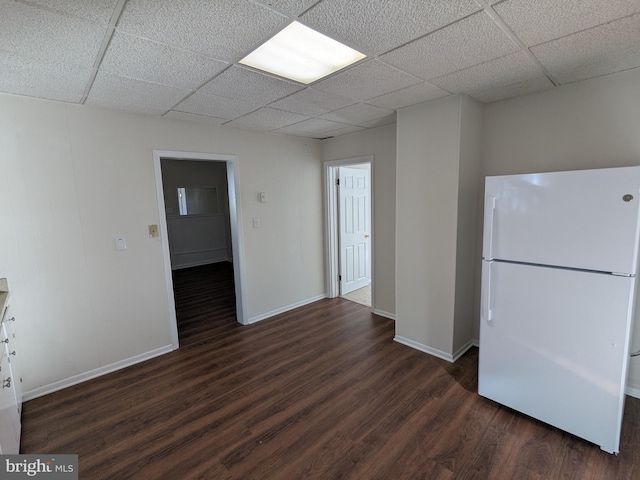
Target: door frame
332,251
235,216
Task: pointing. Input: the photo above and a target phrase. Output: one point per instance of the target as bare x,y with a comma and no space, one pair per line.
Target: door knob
366,235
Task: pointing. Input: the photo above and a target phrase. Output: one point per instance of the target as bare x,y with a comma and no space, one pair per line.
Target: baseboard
424,348
382,313
278,311
461,351
633,392
201,263
83,377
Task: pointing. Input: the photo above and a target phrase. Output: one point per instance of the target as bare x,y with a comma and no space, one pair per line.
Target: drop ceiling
179,58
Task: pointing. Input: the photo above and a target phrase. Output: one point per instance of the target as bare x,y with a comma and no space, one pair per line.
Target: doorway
349,216
235,233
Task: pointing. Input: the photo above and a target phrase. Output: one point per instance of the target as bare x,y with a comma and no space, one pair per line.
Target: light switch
256,222
263,197
121,244
153,231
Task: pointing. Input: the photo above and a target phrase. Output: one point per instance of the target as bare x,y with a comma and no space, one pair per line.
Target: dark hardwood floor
205,300
318,392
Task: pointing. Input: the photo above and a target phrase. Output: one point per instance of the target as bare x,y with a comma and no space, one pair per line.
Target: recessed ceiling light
301,54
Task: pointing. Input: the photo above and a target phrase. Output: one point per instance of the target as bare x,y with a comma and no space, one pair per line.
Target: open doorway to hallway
199,227
349,218
199,232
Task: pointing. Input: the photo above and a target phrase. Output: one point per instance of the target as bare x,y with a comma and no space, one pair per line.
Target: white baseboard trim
424,348
633,392
462,350
278,311
382,313
97,372
200,263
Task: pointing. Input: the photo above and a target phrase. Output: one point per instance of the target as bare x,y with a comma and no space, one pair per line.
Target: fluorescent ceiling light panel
301,54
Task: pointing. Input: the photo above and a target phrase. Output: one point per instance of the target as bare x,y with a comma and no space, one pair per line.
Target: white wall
437,190
196,239
72,178
468,264
381,143
426,221
591,124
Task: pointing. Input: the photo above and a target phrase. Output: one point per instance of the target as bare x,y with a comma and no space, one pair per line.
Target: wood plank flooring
320,392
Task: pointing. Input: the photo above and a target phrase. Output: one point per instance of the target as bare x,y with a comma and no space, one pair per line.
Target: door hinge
338,181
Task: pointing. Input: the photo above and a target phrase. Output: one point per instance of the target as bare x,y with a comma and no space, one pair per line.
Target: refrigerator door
584,219
555,346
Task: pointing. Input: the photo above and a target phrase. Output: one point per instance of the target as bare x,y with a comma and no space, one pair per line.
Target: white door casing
354,228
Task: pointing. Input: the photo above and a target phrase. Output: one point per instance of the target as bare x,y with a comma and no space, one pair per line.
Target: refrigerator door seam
561,267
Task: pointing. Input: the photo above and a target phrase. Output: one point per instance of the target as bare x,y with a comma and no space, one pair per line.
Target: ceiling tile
374,27
214,106
312,102
289,7
539,21
507,70
45,94
366,80
151,61
606,67
315,126
470,41
251,86
49,36
129,90
267,119
223,29
195,118
379,122
521,88
422,92
598,44
357,114
129,107
98,11
36,78
342,131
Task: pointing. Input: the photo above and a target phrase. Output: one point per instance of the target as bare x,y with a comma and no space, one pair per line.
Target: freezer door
556,346
583,219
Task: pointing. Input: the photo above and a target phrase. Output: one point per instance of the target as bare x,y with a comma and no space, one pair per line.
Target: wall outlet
256,222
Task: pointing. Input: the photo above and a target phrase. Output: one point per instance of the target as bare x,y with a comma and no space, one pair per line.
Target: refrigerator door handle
489,209
487,312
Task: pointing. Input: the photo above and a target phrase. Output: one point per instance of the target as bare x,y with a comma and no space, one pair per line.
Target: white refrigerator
560,256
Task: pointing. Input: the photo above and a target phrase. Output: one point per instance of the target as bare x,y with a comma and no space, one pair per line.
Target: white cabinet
10,379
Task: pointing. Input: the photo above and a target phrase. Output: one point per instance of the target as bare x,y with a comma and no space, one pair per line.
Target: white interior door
355,228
